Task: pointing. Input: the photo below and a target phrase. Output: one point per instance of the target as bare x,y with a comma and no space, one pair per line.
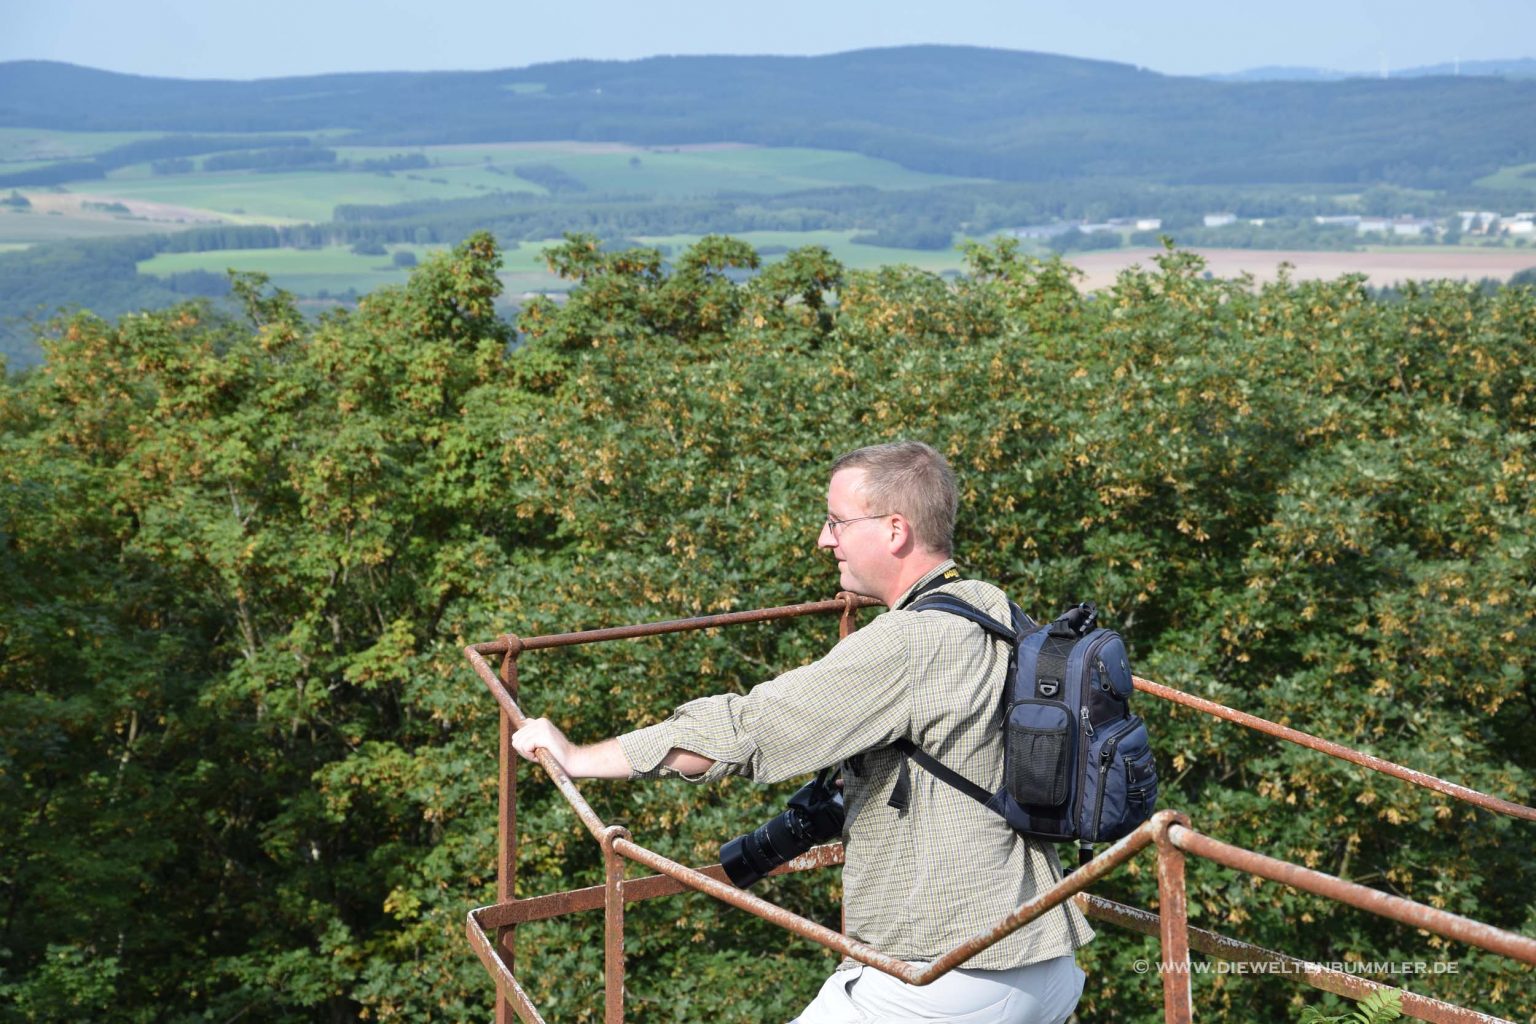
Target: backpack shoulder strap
952,604
901,795
940,770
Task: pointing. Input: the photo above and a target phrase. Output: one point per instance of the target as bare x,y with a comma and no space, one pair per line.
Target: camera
814,815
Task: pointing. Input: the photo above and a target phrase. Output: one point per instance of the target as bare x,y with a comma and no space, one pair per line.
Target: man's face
855,534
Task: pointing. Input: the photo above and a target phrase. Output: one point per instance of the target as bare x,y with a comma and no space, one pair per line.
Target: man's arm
604,760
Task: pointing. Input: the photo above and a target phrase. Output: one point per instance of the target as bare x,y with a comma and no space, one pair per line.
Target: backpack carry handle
1075,622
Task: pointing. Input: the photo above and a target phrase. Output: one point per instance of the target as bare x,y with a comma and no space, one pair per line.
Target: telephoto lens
814,815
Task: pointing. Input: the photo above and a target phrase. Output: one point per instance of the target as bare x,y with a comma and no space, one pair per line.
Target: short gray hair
912,478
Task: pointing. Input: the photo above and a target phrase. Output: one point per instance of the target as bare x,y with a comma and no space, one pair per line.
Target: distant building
1220,220
1086,227
1042,230
1521,224
1413,227
1477,222
1347,219
1403,227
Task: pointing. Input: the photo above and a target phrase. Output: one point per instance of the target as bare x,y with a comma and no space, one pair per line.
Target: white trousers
1041,993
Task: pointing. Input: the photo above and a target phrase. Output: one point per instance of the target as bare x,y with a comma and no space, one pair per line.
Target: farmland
324,198
456,172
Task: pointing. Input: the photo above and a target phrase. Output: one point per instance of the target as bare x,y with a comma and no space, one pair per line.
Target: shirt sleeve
856,698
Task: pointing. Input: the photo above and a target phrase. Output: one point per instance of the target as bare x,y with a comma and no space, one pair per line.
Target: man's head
890,516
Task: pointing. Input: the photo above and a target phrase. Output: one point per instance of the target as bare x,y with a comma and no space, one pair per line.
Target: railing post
1173,919
613,926
848,621
506,840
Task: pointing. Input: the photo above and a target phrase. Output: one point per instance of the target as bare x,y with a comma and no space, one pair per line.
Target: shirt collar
945,568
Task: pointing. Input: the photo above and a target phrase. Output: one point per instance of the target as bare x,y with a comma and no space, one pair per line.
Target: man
916,880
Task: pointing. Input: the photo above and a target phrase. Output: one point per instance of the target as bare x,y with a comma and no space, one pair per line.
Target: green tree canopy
249,772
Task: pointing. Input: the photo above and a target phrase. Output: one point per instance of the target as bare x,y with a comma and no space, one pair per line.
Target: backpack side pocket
1038,753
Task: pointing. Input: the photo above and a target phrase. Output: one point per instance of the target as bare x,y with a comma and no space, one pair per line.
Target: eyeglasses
834,524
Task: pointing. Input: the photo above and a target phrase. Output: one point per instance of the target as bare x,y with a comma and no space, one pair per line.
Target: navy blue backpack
1077,763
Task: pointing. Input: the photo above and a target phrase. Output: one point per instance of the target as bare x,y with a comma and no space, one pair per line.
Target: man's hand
603,760
541,733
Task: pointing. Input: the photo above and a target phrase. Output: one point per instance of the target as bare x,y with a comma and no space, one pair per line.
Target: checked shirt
919,881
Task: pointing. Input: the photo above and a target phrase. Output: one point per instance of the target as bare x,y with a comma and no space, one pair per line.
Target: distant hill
1285,73
1522,68
959,110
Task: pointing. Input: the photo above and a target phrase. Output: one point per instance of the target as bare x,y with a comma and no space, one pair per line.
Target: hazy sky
271,38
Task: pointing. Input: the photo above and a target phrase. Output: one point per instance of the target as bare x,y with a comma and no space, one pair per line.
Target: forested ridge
246,773
969,111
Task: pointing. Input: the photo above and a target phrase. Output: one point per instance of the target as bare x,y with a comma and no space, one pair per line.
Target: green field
282,198
673,171
21,146
17,166
456,172
336,269
29,227
1519,178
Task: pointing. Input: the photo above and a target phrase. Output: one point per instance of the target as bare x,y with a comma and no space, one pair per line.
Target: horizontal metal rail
1441,922
1284,732
542,908
840,605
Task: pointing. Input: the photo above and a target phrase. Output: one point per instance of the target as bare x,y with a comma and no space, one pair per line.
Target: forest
969,111
247,774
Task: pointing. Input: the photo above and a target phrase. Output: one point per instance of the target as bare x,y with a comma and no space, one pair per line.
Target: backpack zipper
1082,787
1106,755
1090,654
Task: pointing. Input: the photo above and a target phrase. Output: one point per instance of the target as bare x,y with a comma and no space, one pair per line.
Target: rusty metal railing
491,929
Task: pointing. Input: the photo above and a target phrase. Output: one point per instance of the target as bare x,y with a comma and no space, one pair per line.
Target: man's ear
902,538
